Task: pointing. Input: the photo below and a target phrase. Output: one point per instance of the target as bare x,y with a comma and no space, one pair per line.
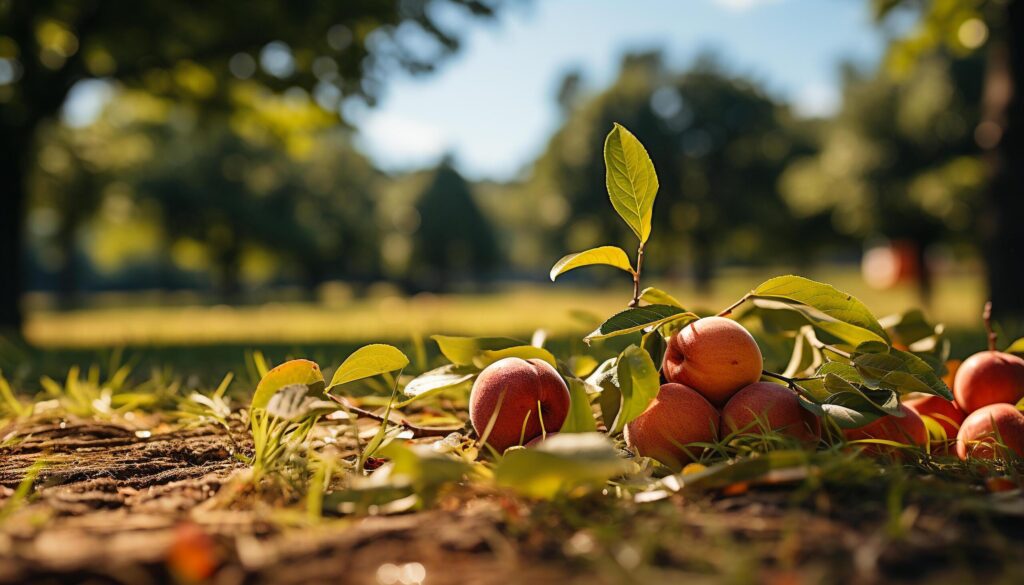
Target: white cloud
742,5
398,142
817,100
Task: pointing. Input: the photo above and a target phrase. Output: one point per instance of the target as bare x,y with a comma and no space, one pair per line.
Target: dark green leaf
637,318
851,410
878,368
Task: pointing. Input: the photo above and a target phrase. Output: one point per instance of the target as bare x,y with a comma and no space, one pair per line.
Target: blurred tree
336,49
899,159
994,28
454,238
718,144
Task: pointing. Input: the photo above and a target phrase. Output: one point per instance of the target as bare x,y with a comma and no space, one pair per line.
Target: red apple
996,430
989,377
511,391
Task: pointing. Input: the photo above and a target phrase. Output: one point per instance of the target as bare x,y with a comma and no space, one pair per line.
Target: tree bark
13,173
1002,234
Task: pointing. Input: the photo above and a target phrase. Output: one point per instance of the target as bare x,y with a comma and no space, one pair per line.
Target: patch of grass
563,309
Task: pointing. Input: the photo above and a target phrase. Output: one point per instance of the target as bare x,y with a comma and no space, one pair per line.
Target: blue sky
493,105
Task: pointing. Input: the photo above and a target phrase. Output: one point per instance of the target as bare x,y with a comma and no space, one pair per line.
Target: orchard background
401,193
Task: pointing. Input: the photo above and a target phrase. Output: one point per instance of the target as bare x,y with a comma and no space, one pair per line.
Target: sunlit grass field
562,309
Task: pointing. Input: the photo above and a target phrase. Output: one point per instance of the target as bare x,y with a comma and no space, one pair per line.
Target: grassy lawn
560,309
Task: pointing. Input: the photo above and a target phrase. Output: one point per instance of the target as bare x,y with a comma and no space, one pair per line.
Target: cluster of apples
712,370
983,417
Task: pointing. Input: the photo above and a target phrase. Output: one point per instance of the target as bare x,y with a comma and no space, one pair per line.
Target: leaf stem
791,382
417,432
986,316
636,275
819,344
787,379
728,310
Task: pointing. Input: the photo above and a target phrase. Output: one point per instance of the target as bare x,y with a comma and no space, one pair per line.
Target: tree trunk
67,277
1003,237
13,172
703,263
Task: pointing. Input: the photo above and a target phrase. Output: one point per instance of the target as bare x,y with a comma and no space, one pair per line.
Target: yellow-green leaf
631,180
487,357
581,416
604,255
656,296
286,374
368,361
832,310
462,350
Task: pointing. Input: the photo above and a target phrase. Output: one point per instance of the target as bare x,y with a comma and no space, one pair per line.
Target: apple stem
636,276
986,316
417,432
728,310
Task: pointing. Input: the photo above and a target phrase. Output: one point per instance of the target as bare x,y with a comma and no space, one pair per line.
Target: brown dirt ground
114,507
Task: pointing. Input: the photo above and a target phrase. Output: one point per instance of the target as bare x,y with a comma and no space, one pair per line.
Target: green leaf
833,310
563,464
461,350
655,346
438,380
581,416
656,296
901,371
610,398
604,255
638,383
293,403
286,374
851,410
636,318
423,467
526,352
910,327
368,361
631,181
1017,347
763,468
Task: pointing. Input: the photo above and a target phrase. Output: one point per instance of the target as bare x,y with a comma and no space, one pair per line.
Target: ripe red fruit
520,387
996,430
677,417
908,429
945,412
766,406
989,377
715,356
